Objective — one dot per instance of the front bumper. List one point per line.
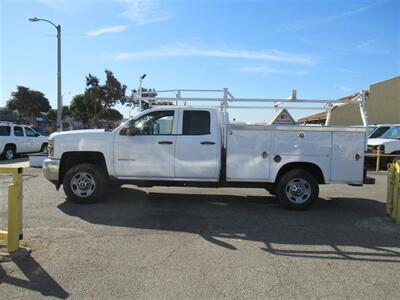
(51, 167)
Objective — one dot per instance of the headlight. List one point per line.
(50, 148)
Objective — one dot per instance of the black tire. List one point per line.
(43, 148)
(112, 185)
(297, 180)
(9, 152)
(271, 190)
(94, 180)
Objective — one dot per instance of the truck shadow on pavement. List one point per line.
(37, 278)
(338, 228)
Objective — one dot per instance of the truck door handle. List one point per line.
(207, 143)
(165, 142)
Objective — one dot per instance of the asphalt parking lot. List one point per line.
(177, 243)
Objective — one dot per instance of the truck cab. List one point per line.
(173, 143)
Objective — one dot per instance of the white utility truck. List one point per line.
(197, 146)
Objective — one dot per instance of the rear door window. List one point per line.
(196, 122)
(5, 130)
(18, 131)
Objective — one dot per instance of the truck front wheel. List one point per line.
(84, 183)
(297, 189)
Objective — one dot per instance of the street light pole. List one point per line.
(140, 91)
(59, 96)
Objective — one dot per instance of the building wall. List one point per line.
(383, 106)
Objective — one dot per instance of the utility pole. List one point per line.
(59, 96)
(140, 91)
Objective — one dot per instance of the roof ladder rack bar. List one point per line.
(225, 100)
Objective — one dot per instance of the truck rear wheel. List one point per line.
(113, 185)
(297, 189)
(84, 183)
(271, 190)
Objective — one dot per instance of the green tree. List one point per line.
(52, 115)
(107, 94)
(81, 108)
(29, 103)
(111, 114)
(5, 111)
(114, 91)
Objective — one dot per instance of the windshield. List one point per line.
(393, 133)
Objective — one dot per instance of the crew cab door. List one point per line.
(198, 145)
(145, 150)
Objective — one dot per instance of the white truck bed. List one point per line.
(334, 148)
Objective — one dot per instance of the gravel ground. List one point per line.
(180, 243)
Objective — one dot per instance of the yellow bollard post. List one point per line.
(393, 192)
(390, 181)
(396, 193)
(19, 183)
(15, 195)
(15, 212)
(378, 160)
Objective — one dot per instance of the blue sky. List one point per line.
(324, 49)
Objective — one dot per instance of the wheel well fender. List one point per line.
(70, 159)
(308, 166)
(10, 145)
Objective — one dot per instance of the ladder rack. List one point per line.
(225, 99)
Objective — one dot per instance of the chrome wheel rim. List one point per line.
(9, 154)
(83, 184)
(298, 190)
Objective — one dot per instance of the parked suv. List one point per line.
(17, 139)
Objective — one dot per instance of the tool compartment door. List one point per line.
(347, 157)
(246, 155)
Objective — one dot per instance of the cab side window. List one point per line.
(154, 123)
(196, 122)
(18, 131)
